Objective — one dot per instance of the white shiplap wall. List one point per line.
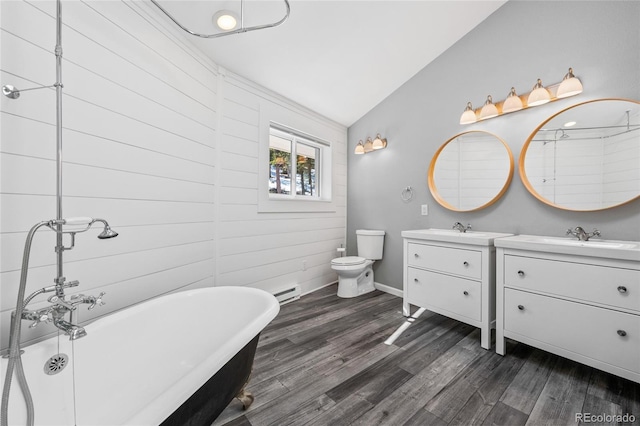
(156, 142)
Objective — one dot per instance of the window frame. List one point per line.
(295, 139)
(274, 203)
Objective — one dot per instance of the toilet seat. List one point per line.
(348, 261)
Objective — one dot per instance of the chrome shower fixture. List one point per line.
(13, 92)
(87, 222)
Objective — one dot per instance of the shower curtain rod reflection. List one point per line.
(242, 28)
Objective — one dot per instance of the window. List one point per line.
(294, 165)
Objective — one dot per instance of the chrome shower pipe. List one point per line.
(58, 84)
(242, 28)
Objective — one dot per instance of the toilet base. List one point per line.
(356, 286)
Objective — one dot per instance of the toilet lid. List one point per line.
(349, 260)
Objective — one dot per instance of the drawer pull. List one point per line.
(466, 264)
(466, 293)
(622, 289)
(415, 280)
(521, 273)
(416, 255)
(521, 307)
(622, 333)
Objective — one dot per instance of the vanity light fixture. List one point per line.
(512, 103)
(469, 115)
(379, 142)
(539, 95)
(489, 110)
(370, 145)
(226, 20)
(570, 86)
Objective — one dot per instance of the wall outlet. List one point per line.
(424, 209)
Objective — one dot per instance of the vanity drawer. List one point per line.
(601, 334)
(600, 284)
(452, 294)
(466, 263)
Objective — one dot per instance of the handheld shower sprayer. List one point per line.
(86, 222)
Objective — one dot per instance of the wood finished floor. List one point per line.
(324, 361)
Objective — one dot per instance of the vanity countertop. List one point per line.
(477, 238)
(612, 249)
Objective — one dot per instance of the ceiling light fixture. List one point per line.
(539, 95)
(226, 20)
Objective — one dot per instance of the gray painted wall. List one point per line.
(520, 42)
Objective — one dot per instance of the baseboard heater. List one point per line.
(288, 294)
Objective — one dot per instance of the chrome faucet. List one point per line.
(59, 307)
(460, 227)
(582, 234)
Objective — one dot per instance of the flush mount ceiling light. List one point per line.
(570, 86)
(226, 20)
(489, 110)
(539, 95)
(512, 103)
(229, 23)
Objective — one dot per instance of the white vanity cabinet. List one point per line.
(453, 274)
(579, 300)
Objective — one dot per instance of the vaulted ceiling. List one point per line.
(338, 58)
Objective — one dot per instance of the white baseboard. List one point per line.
(388, 289)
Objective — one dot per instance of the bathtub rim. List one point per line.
(166, 403)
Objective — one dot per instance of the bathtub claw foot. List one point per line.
(246, 398)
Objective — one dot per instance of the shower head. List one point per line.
(10, 91)
(107, 232)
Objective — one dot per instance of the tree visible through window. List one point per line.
(293, 178)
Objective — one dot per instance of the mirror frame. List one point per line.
(431, 180)
(521, 160)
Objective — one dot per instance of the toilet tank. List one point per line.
(370, 243)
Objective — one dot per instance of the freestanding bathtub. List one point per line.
(177, 359)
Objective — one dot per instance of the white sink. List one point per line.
(590, 243)
(629, 250)
(452, 236)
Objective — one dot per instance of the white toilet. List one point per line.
(355, 273)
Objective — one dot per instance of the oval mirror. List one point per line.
(470, 171)
(586, 157)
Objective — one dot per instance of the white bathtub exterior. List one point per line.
(135, 367)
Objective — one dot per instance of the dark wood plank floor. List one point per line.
(324, 361)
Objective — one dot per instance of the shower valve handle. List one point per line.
(42, 316)
(97, 302)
